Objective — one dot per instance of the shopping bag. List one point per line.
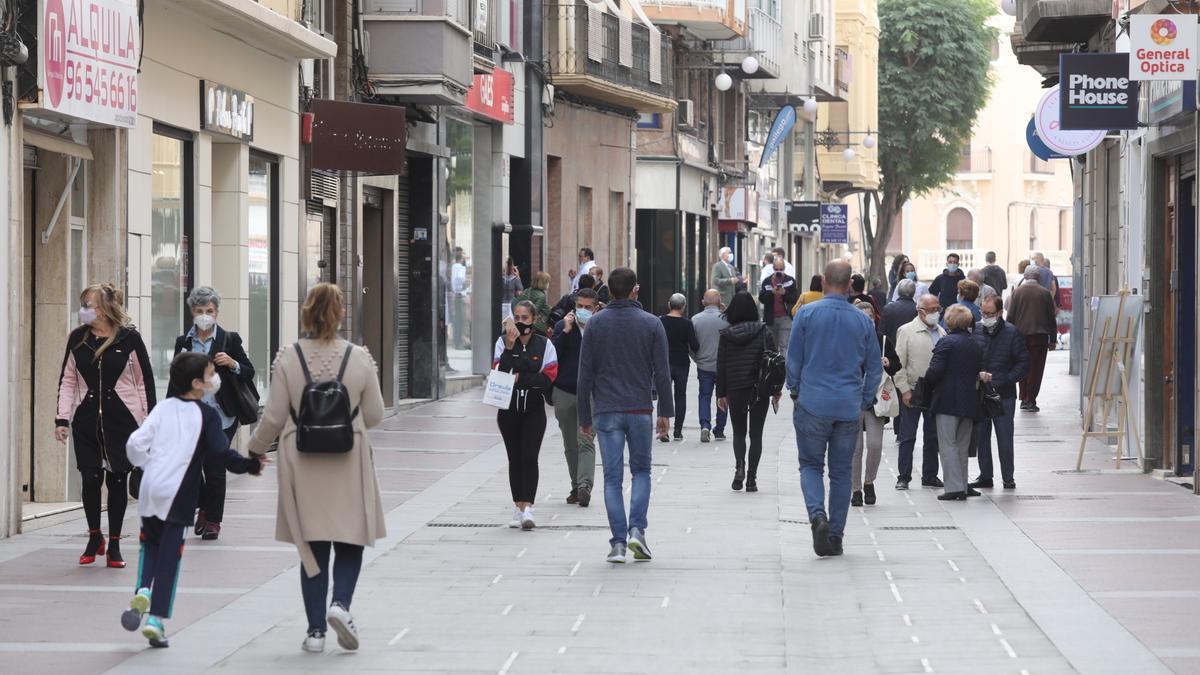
(887, 399)
(498, 390)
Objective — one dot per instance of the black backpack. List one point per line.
(325, 423)
(772, 371)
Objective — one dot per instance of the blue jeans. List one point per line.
(708, 382)
(906, 435)
(1004, 442)
(814, 436)
(613, 431)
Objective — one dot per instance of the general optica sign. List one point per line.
(88, 59)
(1049, 128)
(1162, 47)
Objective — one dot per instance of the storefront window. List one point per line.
(170, 229)
(263, 196)
(457, 256)
(78, 265)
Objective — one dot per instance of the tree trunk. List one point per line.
(887, 207)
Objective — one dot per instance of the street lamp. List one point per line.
(1009, 7)
(724, 82)
(869, 141)
(831, 140)
(810, 106)
(848, 154)
(749, 65)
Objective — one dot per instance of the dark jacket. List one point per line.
(954, 374)
(624, 357)
(566, 304)
(212, 446)
(1004, 356)
(681, 340)
(536, 367)
(230, 343)
(896, 314)
(766, 295)
(995, 276)
(739, 354)
(945, 286)
(603, 294)
(568, 346)
(542, 317)
(1031, 310)
(112, 395)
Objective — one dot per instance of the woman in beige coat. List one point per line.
(326, 500)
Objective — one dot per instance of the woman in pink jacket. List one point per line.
(105, 391)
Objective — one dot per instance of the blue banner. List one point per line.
(834, 224)
(785, 119)
(1036, 146)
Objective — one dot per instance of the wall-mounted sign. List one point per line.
(1097, 92)
(785, 119)
(835, 219)
(1036, 146)
(1162, 47)
(225, 110)
(358, 137)
(88, 59)
(803, 217)
(738, 203)
(492, 95)
(1050, 131)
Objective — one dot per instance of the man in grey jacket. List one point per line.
(709, 325)
(624, 358)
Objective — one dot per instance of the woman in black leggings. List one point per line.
(739, 354)
(532, 359)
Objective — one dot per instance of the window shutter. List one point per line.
(656, 57)
(595, 30)
(626, 41)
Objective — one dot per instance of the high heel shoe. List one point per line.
(94, 547)
(114, 558)
(739, 476)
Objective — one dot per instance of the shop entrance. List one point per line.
(422, 364)
(1185, 322)
(378, 286)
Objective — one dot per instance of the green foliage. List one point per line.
(934, 60)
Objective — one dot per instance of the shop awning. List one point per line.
(60, 144)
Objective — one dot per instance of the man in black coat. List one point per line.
(945, 286)
(229, 357)
(900, 312)
(1005, 362)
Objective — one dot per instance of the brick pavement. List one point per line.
(1087, 572)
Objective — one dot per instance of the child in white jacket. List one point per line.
(171, 448)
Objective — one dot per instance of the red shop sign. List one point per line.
(492, 96)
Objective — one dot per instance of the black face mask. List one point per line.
(524, 328)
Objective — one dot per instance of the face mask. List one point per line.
(952, 268)
(932, 319)
(583, 316)
(204, 322)
(524, 328)
(910, 275)
(87, 315)
(211, 386)
(989, 321)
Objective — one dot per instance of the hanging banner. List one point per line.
(785, 119)
(1097, 92)
(88, 59)
(1050, 131)
(834, 223)
(1036, 146)
(1162, 47)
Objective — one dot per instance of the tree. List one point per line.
(934, 60)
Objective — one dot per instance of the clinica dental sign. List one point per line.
(1162, 47)
(1097, 93)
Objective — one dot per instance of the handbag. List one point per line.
(772, 371)
(245, 396)
(498, 391)
(990, 404)
(922, 395)
(887, 399)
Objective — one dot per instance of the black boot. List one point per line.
(739, 476)
(856, 499)
(751, 483)
(869, 494)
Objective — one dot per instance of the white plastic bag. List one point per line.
(887, 399)
(498, 391)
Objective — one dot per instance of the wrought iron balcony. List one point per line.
(606, 58)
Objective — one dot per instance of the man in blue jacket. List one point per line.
(945, 286)
(833, 371)
(1005, 362)
(623, 358)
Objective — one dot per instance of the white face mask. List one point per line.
(932, 319)
(212, 385)
(989, 321)
(204, 322)
(86, 316)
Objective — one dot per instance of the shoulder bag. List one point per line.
(244, 398)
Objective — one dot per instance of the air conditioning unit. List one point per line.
(816, 27)
(685, 114)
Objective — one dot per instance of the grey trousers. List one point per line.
(954, 442)
(579, 449)
(874, 433)
(781, 329)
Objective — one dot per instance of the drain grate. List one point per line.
(794, 522)
(917, 528)
(476, 525)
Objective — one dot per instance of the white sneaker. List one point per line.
(527, 519)
(315, 642)
(516, 519)
(342, 623)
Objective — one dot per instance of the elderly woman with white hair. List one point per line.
(681, 344)
(229, 356)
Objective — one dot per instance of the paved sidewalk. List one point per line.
(1089, 572)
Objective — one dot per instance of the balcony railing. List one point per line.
(483, 26)
(458, 11)
(764, 39)
(588, 42)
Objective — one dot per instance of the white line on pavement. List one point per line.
(1008, 648)
(596, 592)
(509, 663)
(554, 517)
(996, 630)
(919, 514)
(689, 531)
(880, 554)
(953, 566)
(926, 665)
(888, 574)
(980, 607)
(522, 552)
(578, 623)
(562, 649)
(916, 640)
(575, 568)
(908, 621)
(666, 601)
(399, 637)
(962, 579)
(896, 593)
(567, 536)
(497, 579)
(507, 609)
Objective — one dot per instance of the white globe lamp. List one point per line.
(848, 154)
(810, 107)
(724, 82)
(869, 142)
(750, 65)
(1009, 7)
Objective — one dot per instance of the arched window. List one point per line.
(960, 229)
